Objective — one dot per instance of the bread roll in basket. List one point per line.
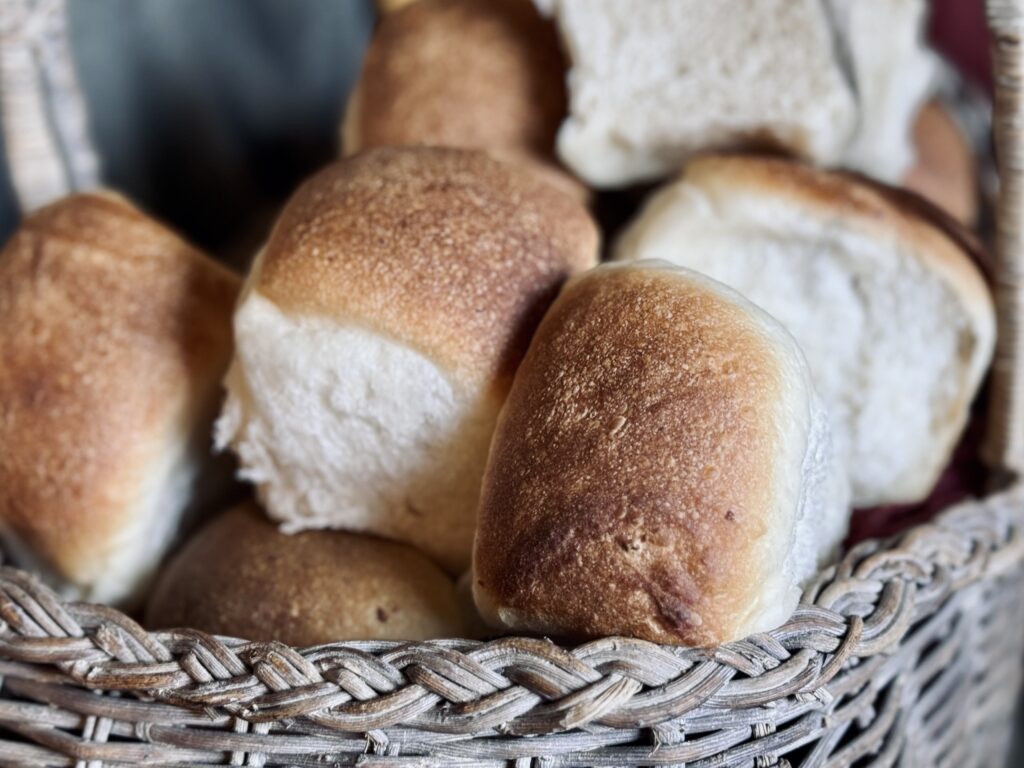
(908, 651)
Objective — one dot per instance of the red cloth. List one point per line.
(959, 30)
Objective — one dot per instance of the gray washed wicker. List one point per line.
(908, 652)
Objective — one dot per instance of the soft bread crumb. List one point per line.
(894, 72)
(837, 82)
(652, 82)
(896, 322)
(372, 436)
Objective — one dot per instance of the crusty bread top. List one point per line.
(110, 327)
(240, 576)
(448, 251)
(484, 74)
(634, 461)
(860, 206)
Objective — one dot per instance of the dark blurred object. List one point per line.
(8, 209)
(959, 30)
(209, 113)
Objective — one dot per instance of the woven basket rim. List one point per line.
(862, 607)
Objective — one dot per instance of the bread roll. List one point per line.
(114, 335)
(481, 74)
(834, 81)
(241, 577)
(662, 468)
(896, 321)
(945, 171)
(894, 73)
(378, 335)
(652, 82)
(475, 74)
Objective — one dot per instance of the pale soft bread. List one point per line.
(652, 82)
(834, 81)
(114, 335)
(894, 73)
(378, 335)
(479, 74)
(945, 171)
(240, 576)
(895, 319)
(661, 469)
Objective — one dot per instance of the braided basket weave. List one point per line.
(909, 652)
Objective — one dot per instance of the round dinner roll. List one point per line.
(114, 336)
(896, 320)
(241, 577)
(480, 74)
(944, 171)
(661, 469)
(378, 335)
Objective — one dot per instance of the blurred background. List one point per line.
(208, 114)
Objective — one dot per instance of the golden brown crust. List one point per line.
(448, 251)
(547, 171)
(485, 74)
(945, 169)
(240, 576)
(543, 166)
(630, 480)
(864, 207)
(112, 329)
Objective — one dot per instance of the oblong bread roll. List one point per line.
(378, 335)
(114, 335)
(662, 468)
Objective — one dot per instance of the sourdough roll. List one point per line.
(895, 319)
(661, 469)
(945, 171)
(378, 334)
(836, 82)
(240, 576)
(481, 74)
(114, 335)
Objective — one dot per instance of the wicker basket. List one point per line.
(908, 652)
